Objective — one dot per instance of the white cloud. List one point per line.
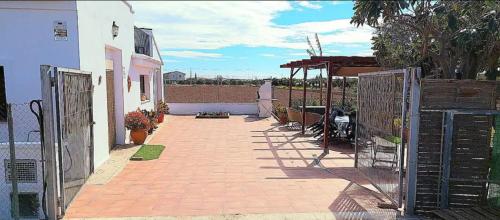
(339, 2)
(212, 25)
(170, 61)
(364, 53)
(307, 4)
(268, 55)
(299, 54)
(331, 52)
(190, 54)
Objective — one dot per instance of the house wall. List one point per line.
(159, 75)
(175, 76)
(95, 36)
(135, 72)
(22, 53)
(27, 41)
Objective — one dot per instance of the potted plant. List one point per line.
(162, 110)
(138, 124)
(398, 123)
(153, 120)
(281, 113)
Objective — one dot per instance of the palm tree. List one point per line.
(312, 52)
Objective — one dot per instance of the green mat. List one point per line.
(148, 152)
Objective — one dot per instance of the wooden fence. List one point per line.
(454, 144)
(447, 159)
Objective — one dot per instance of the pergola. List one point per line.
(343, 66)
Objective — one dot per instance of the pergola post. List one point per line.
(304, 100)
(321, 86)
(326, 123)
(290, 84)
(344, 80)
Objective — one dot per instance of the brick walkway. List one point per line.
(240, 165)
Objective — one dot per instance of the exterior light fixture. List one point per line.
(114, 29)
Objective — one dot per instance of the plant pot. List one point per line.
(160, 117)
(138, 136)
(283, 118)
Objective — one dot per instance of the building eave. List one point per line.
(145, 61)
(158, 50)
(129, 6)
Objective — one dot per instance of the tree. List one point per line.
(449, 39)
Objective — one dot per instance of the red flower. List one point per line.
(136, 120)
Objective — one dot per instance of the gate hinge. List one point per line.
(52, 81)
(59, 201)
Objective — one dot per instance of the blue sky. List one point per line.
(248, 39)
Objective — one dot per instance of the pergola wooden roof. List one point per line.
(344, 66)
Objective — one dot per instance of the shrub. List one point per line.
(163, 107)
(136, 120)
(279, 109)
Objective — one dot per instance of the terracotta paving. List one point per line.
(241, 165)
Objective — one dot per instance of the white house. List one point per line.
(174, 76)
(79, 35)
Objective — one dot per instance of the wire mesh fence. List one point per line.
(22, 141)
(380, 121)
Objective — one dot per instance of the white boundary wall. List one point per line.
(232, 108)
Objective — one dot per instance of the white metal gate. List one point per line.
(380, 130)
(67, 97)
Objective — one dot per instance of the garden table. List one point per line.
(315, 109)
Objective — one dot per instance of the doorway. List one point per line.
(110, 94)
(115, 75)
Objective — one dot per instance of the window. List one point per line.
(3, 99)
(144, 87)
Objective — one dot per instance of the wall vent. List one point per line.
(26, 171)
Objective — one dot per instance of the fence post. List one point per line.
(13, 165)
(356, 132)
(404, 113)
(411, 174)
(446, 158)
(49, 142)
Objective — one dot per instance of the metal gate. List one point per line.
(69, 97)
(380, 133)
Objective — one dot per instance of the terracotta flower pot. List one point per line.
(138, 136)
(160, 117)
(283, 118)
